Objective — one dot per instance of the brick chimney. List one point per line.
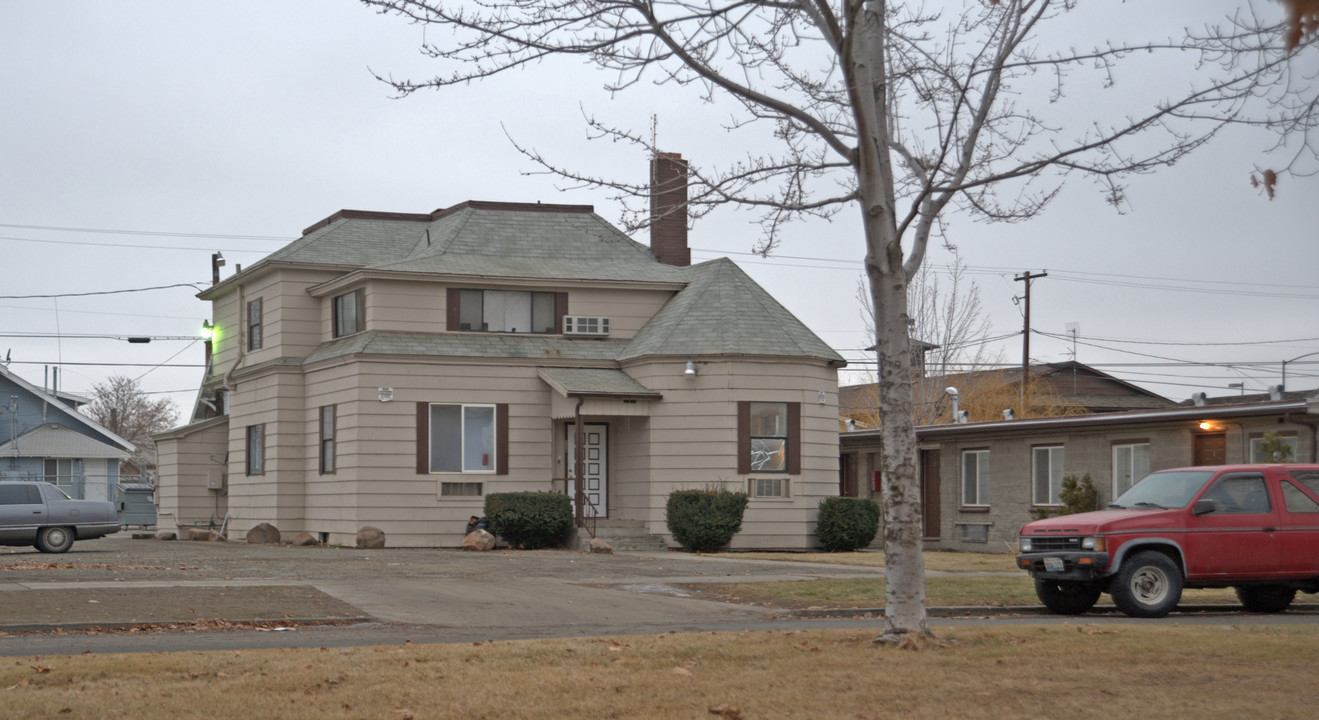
(668, 209)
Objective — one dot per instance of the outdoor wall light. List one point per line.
(1206, 425)
(691, 368)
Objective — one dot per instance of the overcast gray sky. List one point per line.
(137, 137)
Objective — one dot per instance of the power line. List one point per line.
(100, 292)
(129, 245)
(156, 233)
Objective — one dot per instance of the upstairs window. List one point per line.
(349, 314)
(506, 311)
(254, 324)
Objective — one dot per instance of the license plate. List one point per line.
(1053, 564)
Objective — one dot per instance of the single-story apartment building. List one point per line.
(980, 481)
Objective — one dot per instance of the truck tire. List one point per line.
(1265, 598)
(1148, 585)
(1067, 598)
(54, 539)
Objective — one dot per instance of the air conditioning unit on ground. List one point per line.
(585, 325)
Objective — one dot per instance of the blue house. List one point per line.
(44, 438)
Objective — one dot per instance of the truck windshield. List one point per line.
(1164, 490)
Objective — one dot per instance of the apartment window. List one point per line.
(61, 471)
(1131, 463)
(327, 439)
(508, 311)
(768, 437)
(349, 313)
(1047, 474)
(256, 449)
(462, 438)
(975, 478)
(460, 489)
(768, 487)
(1258, 453)
(254, 324)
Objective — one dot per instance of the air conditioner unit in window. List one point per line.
(585, 325)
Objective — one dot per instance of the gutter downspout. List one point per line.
(579, 461)
(1314, 433)
(242, 346)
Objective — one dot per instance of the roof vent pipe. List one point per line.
(1275, 393)
(1198, 399)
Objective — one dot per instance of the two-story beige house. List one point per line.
(391, 370)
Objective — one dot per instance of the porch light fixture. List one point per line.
(691, 368)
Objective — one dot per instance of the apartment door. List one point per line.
(596, 467)
(1211, 449)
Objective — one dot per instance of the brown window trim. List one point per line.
(255, 334)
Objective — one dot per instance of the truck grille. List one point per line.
(1045, 543)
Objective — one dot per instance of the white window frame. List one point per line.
(981, 479)
(1049, 459)
(1130, 465)
(463, 439)
(1255, 442)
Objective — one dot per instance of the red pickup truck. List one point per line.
(1254, 528)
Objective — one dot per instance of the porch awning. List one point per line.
(603, 392)
(595, 382)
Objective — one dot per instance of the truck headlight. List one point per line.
(1025, 544)
(1094, 544)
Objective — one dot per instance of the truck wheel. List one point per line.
(1265, 598)
(1148, 585)
(1067, 598)
(54, 539)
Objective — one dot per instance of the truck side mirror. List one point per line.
(1203, 507)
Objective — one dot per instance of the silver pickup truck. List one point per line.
(41, 515)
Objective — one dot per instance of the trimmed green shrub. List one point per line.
(704, 520)
(530, 520)
(846, 524)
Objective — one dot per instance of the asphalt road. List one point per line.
(124, 587)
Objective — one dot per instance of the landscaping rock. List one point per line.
(305, 539)
(263, 534)
(201, 534)
(479, 540)
(216, 537)
(370, 538)
(600, 546)
(167, 536)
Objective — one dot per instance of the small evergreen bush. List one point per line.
(530, 520)
(846, 524)
(1078, 495)
(704, 520)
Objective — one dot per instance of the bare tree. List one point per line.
(900, 111)
(120, 406)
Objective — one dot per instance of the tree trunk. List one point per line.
(904, 568)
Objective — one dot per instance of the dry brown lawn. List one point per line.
(934, 560)
(1075, 671)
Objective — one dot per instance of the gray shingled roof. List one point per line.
(482, 345)
(594, 381)
(485, 239)
(531, 244)
(722, 311)
(57, 441)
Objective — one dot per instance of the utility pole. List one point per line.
(1026, 277)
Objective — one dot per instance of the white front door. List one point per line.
(596, 468)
